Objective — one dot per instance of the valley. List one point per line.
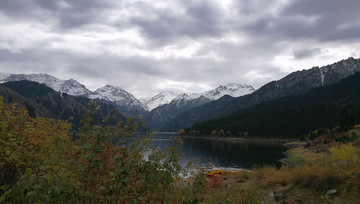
(230, 126)
(228, 110)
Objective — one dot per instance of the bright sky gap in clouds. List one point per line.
(146, 46)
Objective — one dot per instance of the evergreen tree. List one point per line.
(345, 123)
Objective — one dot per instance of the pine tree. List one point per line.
(345, 123)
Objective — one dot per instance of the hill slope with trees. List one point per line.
(324, 107)
(40, 100)
(293, 84)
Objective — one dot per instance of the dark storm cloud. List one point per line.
(48, 5)
(206, 19)
(74, 20)
(86, 65)
(201, 18)
(82, 12)
(332, 11)
(306, 53)
(325, 20)
(17, 8)
(334, 20)
(200, 43)
(252, 9)
(68, 13)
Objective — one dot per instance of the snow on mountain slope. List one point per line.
(117, 95)
(160, 115)
(162, 98)
(124, 99)
(3, 77)
(232, 89)
(120, 97)
(70, 86)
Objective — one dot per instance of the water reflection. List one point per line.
(225, 153)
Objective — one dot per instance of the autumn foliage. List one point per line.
(44, 161)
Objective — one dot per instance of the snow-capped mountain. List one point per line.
(127, 103)
(120, 97)
(297, 82)
(3, 77)
(71, 86)
(162, 98)
(232, 89)
(160, 115)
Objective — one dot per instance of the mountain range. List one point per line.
(160, 99)
(43, 101)
(161, 115)
(323, 107)
(295, 83)
(126, 103)
(115, 96)
(169, 111)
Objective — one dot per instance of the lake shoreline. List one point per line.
(288, 143)
(233, 152)
(242, 139)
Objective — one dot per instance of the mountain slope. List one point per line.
(117, 97)
(70, 86)
(292, 116)
(294, 83)
(34, 109)
(160, 115)
(160, 99)
(183, 102)
(120, 98)
(232, 89)
(53, 103)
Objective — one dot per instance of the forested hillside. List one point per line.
(324, 107)
(293, 84)
(40, 100)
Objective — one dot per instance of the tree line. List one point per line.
(290, 117)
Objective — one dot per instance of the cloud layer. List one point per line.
(148, 46)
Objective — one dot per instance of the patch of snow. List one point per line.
(160, 99)
(232, 89)
(71, 86)
(322, 77)
(117, 95)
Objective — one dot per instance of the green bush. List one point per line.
(105, 165)
(344, 152)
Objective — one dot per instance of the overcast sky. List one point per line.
(149, 46)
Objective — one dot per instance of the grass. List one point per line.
(317, 171)
(302, 155)
(294, 157)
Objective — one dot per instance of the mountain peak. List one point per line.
(118, 96)
(71, 87)
(110, 86)
(160, 99)
(72, 80)
(231, 89)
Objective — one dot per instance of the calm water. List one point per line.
(234, 154)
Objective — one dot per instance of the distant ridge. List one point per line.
(295, 83)
(115, 96)
(292, 116)
(161, 115)
(42, 101)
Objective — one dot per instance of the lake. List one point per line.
(224, 153)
